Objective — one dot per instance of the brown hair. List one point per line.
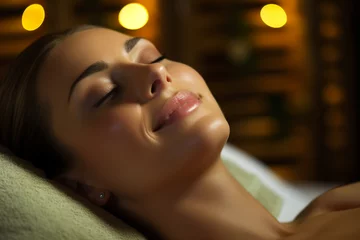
(24, 120)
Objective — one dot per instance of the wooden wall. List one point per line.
(332, 35)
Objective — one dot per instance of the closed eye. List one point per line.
(110, 95)
(159, 59)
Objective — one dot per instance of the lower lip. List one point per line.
(182, 111)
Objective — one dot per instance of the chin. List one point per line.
(205, 141)
(198, 147)
(211, 134)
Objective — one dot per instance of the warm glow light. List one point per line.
(33, 17)
(273, 15)
(133, 16)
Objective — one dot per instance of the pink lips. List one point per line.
(177, 107)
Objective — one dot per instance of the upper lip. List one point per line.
(166, 108)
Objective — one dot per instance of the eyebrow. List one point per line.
(101, 65)
(131, 43)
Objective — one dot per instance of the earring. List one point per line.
(102, 195)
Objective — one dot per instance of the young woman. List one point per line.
(141, 136)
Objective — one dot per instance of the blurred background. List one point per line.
(284, 72)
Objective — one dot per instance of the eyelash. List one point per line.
(159, 59)
(113, 92)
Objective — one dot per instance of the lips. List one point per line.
(177, 107)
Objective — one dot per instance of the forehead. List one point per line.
(74, 54)
(86, 47)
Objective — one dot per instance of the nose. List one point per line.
(157, 80)
(147, 81)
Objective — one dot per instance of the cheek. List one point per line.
(185, 74)
(110, 124)
(112, 136)
(117, 119)
(117, 153)
(114, 129)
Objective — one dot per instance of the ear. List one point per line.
(95, 195)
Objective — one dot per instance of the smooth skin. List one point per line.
(172, 179)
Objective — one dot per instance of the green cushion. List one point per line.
(258, 189)
(32, 207)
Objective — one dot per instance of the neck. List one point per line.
(215, 206)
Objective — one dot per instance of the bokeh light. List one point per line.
(273, 15)
(33, 17)
(133, 16)
(333, 94)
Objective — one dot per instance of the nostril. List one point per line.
(155, 86)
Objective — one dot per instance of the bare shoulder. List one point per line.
(337, 225)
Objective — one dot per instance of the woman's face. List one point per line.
(112, 133)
